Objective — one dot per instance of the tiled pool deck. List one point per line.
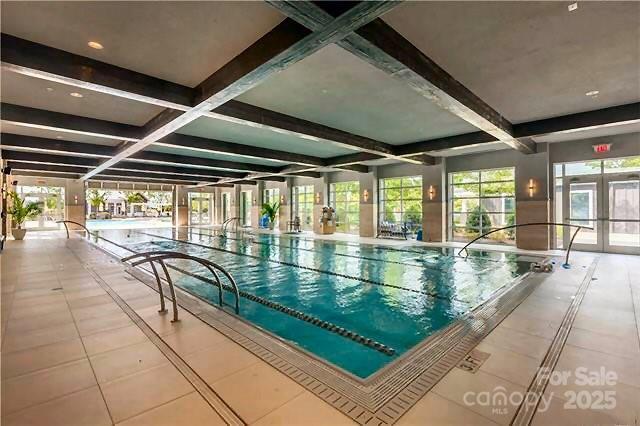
(72, 355)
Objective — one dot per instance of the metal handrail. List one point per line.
(66, 227)
(160, 256)
(566, 261)
(228, 221)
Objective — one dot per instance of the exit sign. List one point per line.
(603, 147)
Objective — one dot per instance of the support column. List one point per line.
(532, 205)
(368, 203)
(434, 199)
(180, 206)
(75, 202)
(284, 214)
(320, 199)
(256, 204)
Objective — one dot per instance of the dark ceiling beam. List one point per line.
(44, 62)
(359, 168)
(31, 173)
(307, 129)
(589, 120)
(283, 46)
(141, 181)
(19, 165)
(128, 166)
(31, 143)
(161, 157)
(38, 118)
(383, 47)
(314, 175)
(229, 148)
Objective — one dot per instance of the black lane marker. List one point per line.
(346, 333)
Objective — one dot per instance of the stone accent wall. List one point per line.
(433, 221)
(367, 228)
(533, 237)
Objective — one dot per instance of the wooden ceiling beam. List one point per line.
(381, 46)
(283, 46)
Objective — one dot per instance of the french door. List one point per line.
(610, 204)
(200, 209)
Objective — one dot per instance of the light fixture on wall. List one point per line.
(282, 199)
(365, 195)
(318, 195)
(531, 187)
(432, 192)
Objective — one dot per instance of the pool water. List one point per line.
(395, 296)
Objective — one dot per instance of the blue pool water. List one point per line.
(396, 296)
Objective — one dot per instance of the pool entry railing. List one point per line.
(566, 260)
(66, 227)
(226, 223)
(160, 256)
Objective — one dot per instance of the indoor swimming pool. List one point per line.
(357, 306)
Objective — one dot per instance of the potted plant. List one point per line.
(21, 211)
(271, 211)
(96, 199)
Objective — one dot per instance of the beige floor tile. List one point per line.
(95, 311)
(17, 341)
(161, 323)
(557, 415)
(84, 294)
(526, 324)
(35, 388)
(113, 339)
(22, 362)
(436, 410)
(305, 409)
(104, 323)
(612, 345)
(53, 297)
(82, 408)
(40, 321)
(93, 301)
(34, 311)
(193, 339)
(600, 325)
(216, 362)
(189, 410)
(628, 370)
(132, 395)
(265, 387)
(125, 361)
(509, 365)
(469, 390)
(519, 342)
(36, 293)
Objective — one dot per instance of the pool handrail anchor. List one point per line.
(566, 260)
(66, 227)
(160, 256)
(227, 222)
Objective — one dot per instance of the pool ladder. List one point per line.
(160, 257)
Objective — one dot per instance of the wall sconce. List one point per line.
(282, 199)
(432, 192)
(531, 187)
(365, 195)
(317, 198)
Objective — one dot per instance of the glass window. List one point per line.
(401, 203)
(482, 200)
(622, 165)
(303, 205)
(344, 197)
(583, 168)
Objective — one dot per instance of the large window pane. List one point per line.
(477, 208)
(582, 168)
(401, 204)
(622, 165)
(344, 197)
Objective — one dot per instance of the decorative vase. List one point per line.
(271, 225)
(18, 233)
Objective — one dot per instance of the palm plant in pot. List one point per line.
(271, 211)
(21, 211)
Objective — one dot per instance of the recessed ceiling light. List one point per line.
(76, 94)
(49, 89)
(95, 45)
(58, 137)
(572, 7)
(593, 93)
